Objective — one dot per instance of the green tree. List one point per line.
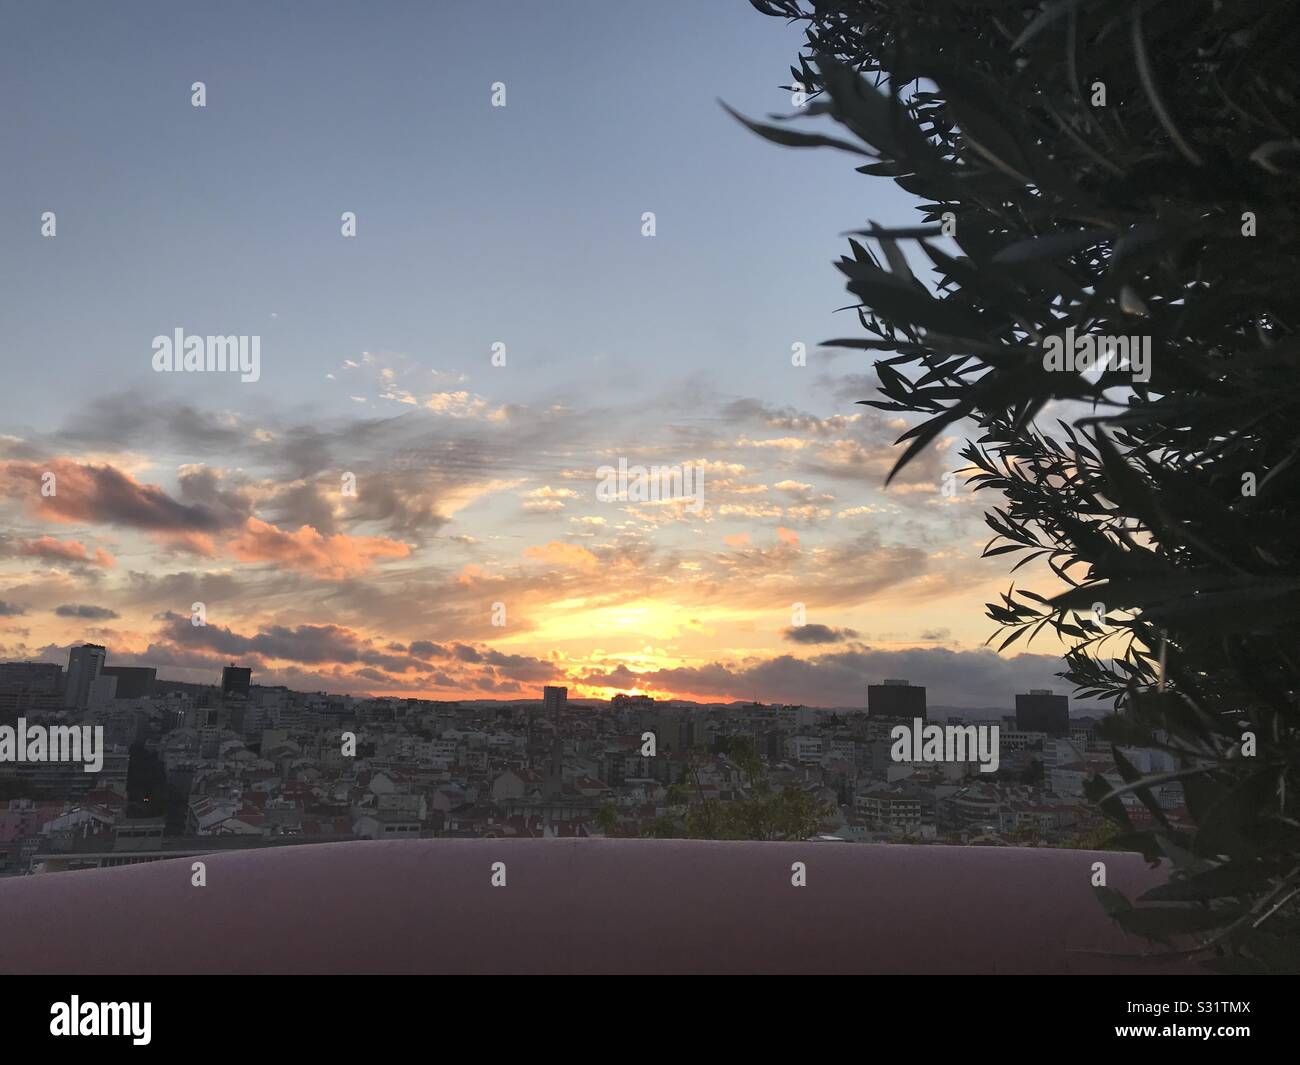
(607, 818)
(766, 815)
(1109, 169)
(663, 827)
(744, 752)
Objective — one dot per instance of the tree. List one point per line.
(744, 752)
(607, 818)
(766, 815)
(1123, 173)
(663, 827)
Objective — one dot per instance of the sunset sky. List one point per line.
(475, 484)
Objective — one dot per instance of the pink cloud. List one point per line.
(333, 557)
(51, 549)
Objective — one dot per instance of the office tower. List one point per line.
(896, 700)
(84, 665)
(1043, 711)
(235, 679)
(133, 682)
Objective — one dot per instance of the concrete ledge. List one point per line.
(582, 906)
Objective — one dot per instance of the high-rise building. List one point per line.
(235, 679)
(133, 682)
(84, 665)
(896, 700)
(1043, 711)
(554, 700)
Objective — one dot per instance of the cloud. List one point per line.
(82, 610)
(309, 644)
(52, 549)
(566, 556)
(818, 634)
(332, 557)
(349, 659)
(102, 494)
(788, 418)
(463, 404)
(11, 610)
(978, 679)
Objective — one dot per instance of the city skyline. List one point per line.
(79, 686)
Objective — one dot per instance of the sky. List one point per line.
(405, 501)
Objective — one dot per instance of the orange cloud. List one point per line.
(332, 557)
(570, 556)
(787, 536)
(51, 549)
(193, 543)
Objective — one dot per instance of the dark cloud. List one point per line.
(123, 421)
(953, 678)
(104, 494)
(389, 662)
(302, 504)
(10, 610)
(817, 634)
(83, 610)
(310, 644)
(207, 488)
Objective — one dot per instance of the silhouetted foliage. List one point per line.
(1121, 169)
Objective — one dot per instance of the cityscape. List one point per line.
(189, 769)
(766, 487)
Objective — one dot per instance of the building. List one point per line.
(84, 666)
(674, 729)
(804, 748)
(32, 676)
(68, 781)
(133, 682)
(235, 679)
(1043, 711)
(891, 810)
(554, 700)
(26, 686)
(896, 700)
